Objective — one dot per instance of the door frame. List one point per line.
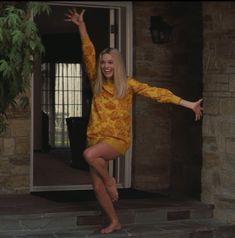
(126, 35)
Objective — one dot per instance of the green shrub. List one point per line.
(20, 44)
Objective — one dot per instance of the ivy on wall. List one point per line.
(20, 45)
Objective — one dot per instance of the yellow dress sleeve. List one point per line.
(161, 95)
(89, 57)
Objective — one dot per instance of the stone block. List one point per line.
(227, 107)
(9, 146)
(20, 127)
(22, 145)
(225, 232)
(210, 144)
(210, 160)
(4, 166)
(211, 106)
(221, 94)
(20, 170)
(230, 145)
(1, 145)
(216, 82)
(227, 128)
(230, 69)
(209, 126)
(232, 82)
(211, 180)
(18, 182)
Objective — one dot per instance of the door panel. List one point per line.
(52, 170)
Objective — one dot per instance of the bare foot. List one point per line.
(112, 190)
(114, 226)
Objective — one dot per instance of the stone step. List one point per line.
(150, 215)
(194, 228)
(140, 211)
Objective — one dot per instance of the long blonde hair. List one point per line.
(119, 77)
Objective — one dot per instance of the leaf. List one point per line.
(17, 37)
(33, 45)
(29, 28)
(39, 8)
(3, 65)
(24, 101)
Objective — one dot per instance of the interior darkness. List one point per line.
(61, 38)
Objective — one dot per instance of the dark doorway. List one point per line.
(61, 92)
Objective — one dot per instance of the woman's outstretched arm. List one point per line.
(163, 95)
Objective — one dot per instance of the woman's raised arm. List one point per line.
(88, 49)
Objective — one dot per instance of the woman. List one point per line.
(108, 131)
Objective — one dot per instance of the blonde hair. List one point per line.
(119, 77)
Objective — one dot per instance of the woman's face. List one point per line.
(107, 66)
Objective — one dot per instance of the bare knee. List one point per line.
(92, 159)
(88, 156)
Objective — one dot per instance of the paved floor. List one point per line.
(74, 215)
(176, 229)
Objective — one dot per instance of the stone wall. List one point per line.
(15, 153)
(218, 174)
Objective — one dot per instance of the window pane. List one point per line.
(61, 99)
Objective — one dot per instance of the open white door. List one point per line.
(120, 22)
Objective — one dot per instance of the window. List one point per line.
(61, 98)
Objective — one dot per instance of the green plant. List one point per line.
(20, 45)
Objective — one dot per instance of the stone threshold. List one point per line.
(82, 214)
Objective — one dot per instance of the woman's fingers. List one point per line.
(82, 12)
(72, 15)
(198, 109)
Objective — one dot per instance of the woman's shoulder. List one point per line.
(130, 79)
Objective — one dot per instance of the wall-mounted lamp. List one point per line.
(161, 31)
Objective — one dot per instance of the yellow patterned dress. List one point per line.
(110, 119)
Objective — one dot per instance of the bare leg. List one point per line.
(105, 202)
(104, 185)
(100, 165)
(97, 156)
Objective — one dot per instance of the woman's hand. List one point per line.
(74, 17)
(197, 108)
